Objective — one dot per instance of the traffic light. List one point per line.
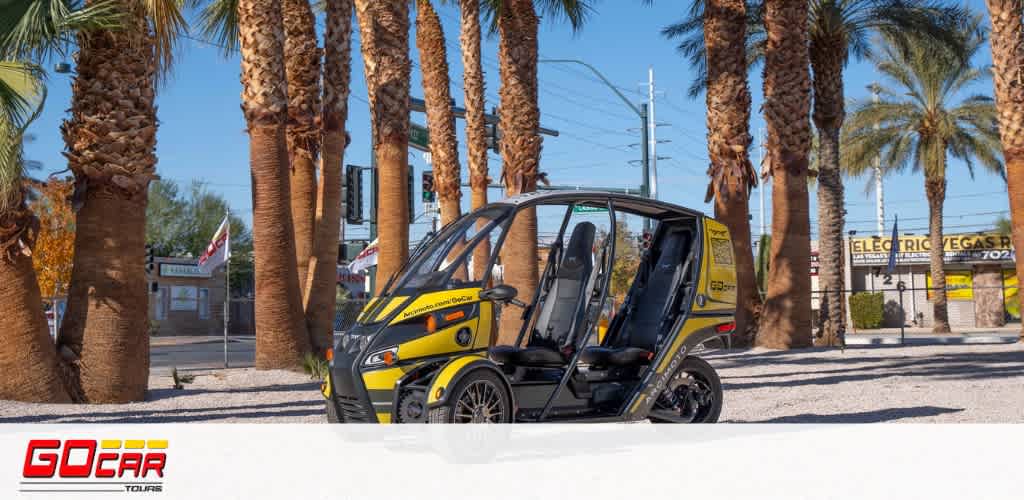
(429, 195)
(353, 194)
(154, 287)
(645, 241)
(150, 258)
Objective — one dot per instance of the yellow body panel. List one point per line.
(439, 342)
(717, 271)
(384, 418)
(390, 306)
(431, 302)
(448, 372)
(384, 379)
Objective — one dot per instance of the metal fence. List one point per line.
(904, 306)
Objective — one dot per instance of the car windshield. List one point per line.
(446, 260)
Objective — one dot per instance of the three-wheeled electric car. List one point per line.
(424, 349)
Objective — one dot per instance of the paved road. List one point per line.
(200, 353)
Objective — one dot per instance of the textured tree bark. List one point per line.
(320, 299)
(519, 117)
(935, 190)
(384, 29)
(828, 56)
(281, 336)
(444, 151)
(28, 360)
(989, 309)
(111, 141)
(728, 122)
(1007, 44)
(302, 69)
(476, 127)
(786, 317)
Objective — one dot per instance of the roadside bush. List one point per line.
(866, 310)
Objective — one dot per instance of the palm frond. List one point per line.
(40, 29)
(218, 23)
(22, 95)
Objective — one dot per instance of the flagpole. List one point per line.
(227, 285)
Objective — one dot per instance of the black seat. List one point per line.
(637, 337)
(551, 341)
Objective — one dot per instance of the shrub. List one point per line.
(866, 310)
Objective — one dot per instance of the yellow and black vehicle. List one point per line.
(423, 349)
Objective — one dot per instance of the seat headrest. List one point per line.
(578, 252)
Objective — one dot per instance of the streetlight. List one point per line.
(645, 189)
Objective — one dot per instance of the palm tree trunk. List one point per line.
(786, 318)
(384, 26)
(519, 118)
(1007, 44)
(302, 69)
(440, 118)
(935, 189)
(476, 127)
(827, 59)
(111, 150)
(281, 337)
(323, 268)
(728, 122)
(28, 359)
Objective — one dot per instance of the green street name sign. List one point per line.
(582, 209)
(419, 138)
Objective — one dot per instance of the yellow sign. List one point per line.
(1011, 299)
(975, 247)
(959, 285)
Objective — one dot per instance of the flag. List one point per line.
(366, 259)
(219, 250)
(895, 245)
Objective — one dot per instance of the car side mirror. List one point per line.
(500, 293)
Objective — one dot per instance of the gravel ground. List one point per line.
(963, 383)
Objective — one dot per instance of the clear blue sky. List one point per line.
(202, 132)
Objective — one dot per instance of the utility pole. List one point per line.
(760, 186)
(879, 192)
(653, 154)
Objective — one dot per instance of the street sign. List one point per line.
(419, 137)
(583, 209)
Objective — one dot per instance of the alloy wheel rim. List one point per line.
(479, 403)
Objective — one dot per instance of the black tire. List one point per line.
(694, 393)
(332, 411)
(487, 386)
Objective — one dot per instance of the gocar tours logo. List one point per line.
(86, 465)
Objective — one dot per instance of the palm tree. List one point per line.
(519, 118)
(1007, 44)
(786, 318)
(440, 117)
(110, 137)
(28, 359)
(476, 126)
(920, 122)
(384, 36)
(281, 337)
(722, 64)
(319, 298)
(839, 29)
(302, 69)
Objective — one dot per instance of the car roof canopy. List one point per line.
(637, 205)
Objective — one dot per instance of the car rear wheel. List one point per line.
(693, 395)
(479, 398)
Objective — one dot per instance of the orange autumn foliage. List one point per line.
(55, 245)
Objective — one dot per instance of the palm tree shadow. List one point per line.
(861, 417)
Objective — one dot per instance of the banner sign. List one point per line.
(219, 250)
(958, 248)
(182, 271)
(1011, 297)
(959, 284)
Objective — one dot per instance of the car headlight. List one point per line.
(386, 357)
